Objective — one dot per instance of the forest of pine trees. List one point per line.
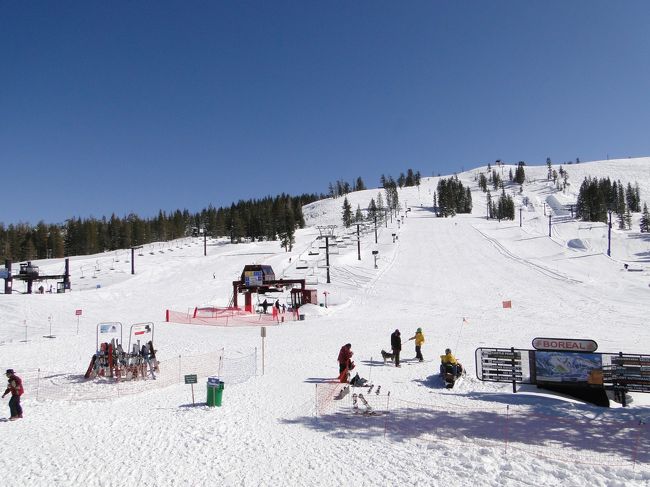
(599, 196)
(452, 197)
(411, 178)
(270, 218)
(341, 188)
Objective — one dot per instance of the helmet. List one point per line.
(10, 371)
(448, 351)
(419, 330)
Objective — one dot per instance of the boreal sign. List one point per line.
(565, 345)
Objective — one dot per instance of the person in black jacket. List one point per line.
(396, 345)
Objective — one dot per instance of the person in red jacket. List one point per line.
(15, 386)
(345, 359)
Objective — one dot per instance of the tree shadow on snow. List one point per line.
(525, 430)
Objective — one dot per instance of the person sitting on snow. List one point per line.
(449, 359)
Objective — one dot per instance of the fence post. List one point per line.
(387, 413)
(506, 432)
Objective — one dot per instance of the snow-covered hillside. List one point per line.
(449, 276)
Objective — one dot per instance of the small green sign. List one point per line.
(191, 379)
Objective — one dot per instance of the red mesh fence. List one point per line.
(214, 316)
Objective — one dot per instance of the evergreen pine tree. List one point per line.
(347, 213)
(358, 216)
(644, 224)
(359, 184)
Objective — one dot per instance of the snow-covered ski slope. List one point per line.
(446, 275)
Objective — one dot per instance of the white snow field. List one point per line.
(282, 427)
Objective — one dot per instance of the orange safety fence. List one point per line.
(214, 316)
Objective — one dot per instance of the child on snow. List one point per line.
(419, 340)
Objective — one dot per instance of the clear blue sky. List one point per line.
(116, 106)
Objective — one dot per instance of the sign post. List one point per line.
(49, 318)
(78, 314)
(191, 379)
(263, 334)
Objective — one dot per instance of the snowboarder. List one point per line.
(419, 340)
(345, 361)
(396, 346)
(15, 386)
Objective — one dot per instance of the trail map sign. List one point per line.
(568, 368)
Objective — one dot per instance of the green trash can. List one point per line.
(215, 391)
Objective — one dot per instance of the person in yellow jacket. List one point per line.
(448, 358)
(419, 340)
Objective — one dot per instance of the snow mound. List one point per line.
(577, 244)
(313, 310)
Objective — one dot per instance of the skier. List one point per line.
(396, 346)
(345, 361)
(419, 340)
(15, 386)
(265, 305)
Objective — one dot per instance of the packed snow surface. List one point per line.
(280, 424)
